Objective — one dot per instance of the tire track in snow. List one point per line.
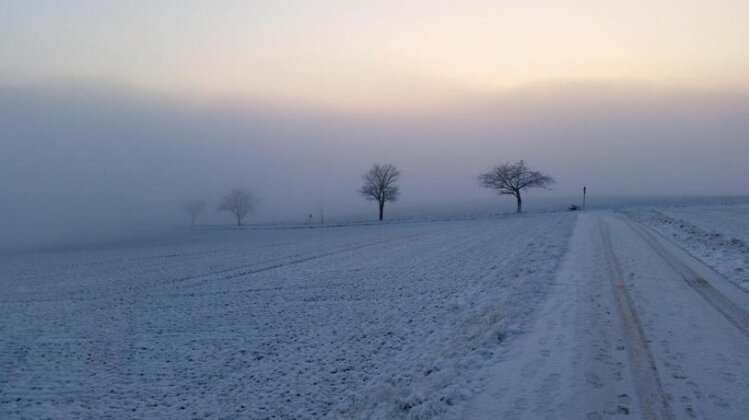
(652, 398)
(470, 242)
(202, 278)
(730, 310)
(300, 260)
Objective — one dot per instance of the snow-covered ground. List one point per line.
(716, 234)
(378, 321)
(494, 317)
(634, 327)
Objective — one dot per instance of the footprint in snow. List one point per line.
(521, 403)
(720, 402)
(594, 380)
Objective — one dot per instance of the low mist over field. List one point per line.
(112, 115)
(381, 210)
(88, 158)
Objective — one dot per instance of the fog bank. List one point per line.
(81, 161)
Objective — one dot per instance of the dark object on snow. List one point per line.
(585, 192)
(573, 207)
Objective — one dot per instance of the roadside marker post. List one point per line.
(585, 190)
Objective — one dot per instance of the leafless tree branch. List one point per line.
(238, 202)
(380, 185)
(512, 178)
(194, 208)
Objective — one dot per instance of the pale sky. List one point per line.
(372, 54)
(112, 113)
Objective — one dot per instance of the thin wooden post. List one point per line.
(585, 190)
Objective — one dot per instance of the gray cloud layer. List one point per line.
(77, 161)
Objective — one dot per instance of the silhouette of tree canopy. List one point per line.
(380, 185)
(512, 178)
(238, 202)
(194, 208)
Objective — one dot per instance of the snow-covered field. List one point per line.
(716, 234)
(380, 321)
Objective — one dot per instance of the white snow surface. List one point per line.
(634, 327)
(716, 234)
(381, 321)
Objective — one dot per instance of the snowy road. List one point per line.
(635, 326)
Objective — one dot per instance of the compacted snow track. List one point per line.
(653, 401)
(635, 326)
(723, 302)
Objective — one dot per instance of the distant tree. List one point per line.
(194, 208)
(512, 178)
(380, 185)
(238, 202)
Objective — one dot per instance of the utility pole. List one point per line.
(585, 191)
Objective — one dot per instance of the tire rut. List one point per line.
(729, 309)
(299, 260)
(653, 401)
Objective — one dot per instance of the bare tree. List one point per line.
(380, 185)
(194, 208)
(512, 178)
(239, 202)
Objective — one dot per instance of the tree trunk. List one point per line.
(382, 208)
(192, 221)
(520, 203)
(239, 221)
